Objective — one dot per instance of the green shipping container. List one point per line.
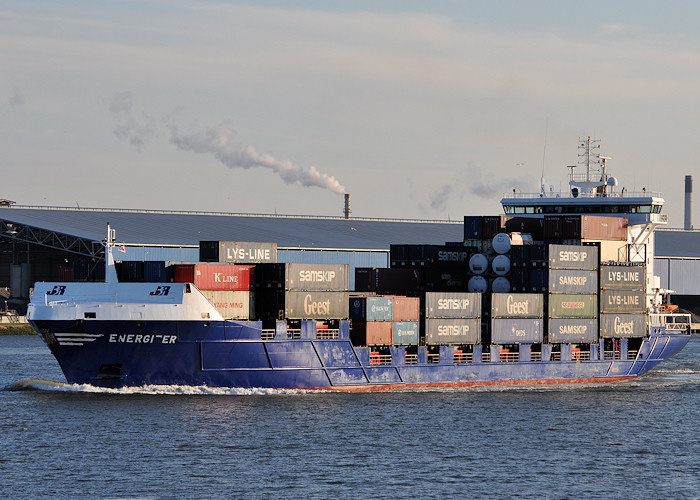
(565, 305)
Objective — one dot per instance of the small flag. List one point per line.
(122, 249)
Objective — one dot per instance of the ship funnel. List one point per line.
(688, 202)
(347, 210)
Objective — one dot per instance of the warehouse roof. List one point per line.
(188, 228)
(677, 243)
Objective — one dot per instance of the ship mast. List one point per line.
(595, 181)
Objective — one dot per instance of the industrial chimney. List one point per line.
(688, 202)
(347, 210)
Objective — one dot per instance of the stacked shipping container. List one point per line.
(302, 291)
(622, 301)
(385, 320)
(516, 318)
(452, 318)
(572, 297)
(229, 287)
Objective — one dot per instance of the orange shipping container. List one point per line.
(406, 308)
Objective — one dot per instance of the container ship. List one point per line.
(559, 289)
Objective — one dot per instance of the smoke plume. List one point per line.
(218, 141)
(135, 129)
(471, 182)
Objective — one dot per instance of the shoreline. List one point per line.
(16, 329)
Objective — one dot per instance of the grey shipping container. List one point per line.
(452, 305)
(452, 330)
(242, 252)
(372, 308)
(516, 330)
(572, 281)
(566, 305)
(573, 257)
(516, 305)
(623, 277)
(405, 333)
(319, 277)
(623, 325)
(316, 305)
(569, 331)
(622, 301)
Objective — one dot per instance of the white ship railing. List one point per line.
(567, 195)
(673, 322)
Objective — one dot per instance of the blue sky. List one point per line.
(418, 109)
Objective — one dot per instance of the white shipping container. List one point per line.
(232, 304)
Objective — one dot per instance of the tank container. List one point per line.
(501, 243)
(478, 284)
(500, 265)
(478, 263)
(501, 285)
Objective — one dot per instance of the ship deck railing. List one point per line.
(612, 355)
(567, 195)
(376, 359)
(328, 334)
(411, 359)
(463, 357)
(673, 322)
(508, 357)
(433, 358)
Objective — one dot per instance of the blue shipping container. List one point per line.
(473, 227)
(371, 308)
(405, 333)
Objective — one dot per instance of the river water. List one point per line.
(625, 440)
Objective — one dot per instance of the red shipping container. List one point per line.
(406, 308)
(599, 227)
(216, 276)
(379, 332)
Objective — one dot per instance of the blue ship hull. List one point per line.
(234, 354)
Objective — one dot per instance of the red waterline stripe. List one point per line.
(450, 385)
